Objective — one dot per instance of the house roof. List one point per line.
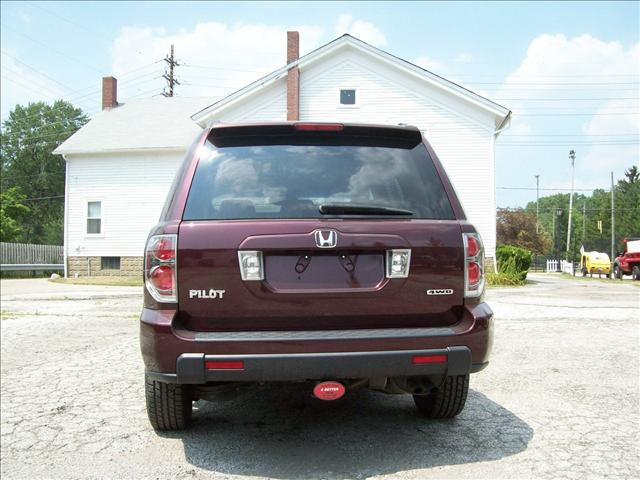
(203, 116)
(157, 123)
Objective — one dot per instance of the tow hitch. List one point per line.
(329, 390)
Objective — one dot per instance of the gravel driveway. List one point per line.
(559, 400)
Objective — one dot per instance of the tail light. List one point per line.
(473, 265)
(160, 277)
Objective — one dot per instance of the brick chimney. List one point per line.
(109, 92)
(293, 77)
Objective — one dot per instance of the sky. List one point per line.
(568, 71)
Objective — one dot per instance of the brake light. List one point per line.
(473, 265)
(160, 277)
(473, 246)
(318, 127)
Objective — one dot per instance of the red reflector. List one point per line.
(162, 278)
(473, 273)
(429, 359)
(318, 127)
(224, 365)
(473, 246)
(329, 390)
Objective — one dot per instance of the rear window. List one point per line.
(293, 179)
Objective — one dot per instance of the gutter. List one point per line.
(506, 123)
(66, 214)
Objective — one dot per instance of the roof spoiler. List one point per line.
(401, 133)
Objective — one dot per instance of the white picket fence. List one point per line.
(560, 266)
(567, 267)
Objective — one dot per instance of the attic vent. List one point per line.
(347, 97)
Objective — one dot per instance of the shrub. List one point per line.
(504, 279)
(513, 261)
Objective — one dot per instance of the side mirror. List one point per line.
(618, 254)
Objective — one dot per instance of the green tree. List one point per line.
(591, 219)
(27, 140)
(12, 211)
(518, 228)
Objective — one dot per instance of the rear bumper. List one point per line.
(191, 368)
(175, 355)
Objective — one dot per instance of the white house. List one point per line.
(120, 165)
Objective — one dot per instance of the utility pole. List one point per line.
(169, 76)
(584, 220)
(613, 225)
(537, 203)
(572, 156)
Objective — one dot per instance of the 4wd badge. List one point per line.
(440, 291)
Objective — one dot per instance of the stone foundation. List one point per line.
(92, 266)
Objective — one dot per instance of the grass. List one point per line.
(595, 278)
(112, 281)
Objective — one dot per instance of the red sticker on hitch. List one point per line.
(329, 390)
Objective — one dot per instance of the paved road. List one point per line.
(559, 400)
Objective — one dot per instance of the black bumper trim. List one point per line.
(190, 367)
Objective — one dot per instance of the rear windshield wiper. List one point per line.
(350, 209)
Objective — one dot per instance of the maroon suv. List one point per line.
(333, 254)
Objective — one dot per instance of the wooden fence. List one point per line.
(23, 256)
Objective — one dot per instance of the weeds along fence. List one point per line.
(25, 257)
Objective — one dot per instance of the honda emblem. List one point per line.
(326, 238)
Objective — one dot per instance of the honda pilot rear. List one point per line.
(331, 254)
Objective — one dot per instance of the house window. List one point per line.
(110, 263)
(348, 97)
(94, 218)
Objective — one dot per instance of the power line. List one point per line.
(588, 114)
(566, 99)
(570, 134)
(553, 189)
(48, 47)
(531, 84)
(42, 198)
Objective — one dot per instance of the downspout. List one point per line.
(66, 214)
(506, 123)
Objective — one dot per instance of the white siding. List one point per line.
(268, 105)
(132, 188)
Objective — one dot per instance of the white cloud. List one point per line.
(233, 56)
(464, 57)
(365, 31)
(556, 59)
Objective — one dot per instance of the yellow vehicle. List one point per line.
(594, 262)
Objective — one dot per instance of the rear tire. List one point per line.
(169, 405)
(447, 402)
(635, 273)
